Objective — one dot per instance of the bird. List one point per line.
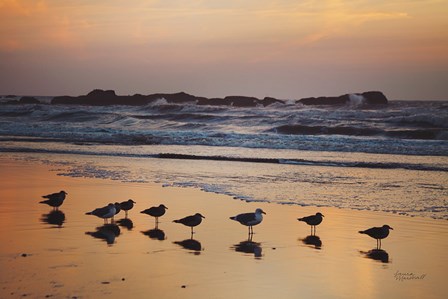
(54, 200)
(377, 233)
(312, 220)
(117, 209)
(250, 219)
(127, 205)
(191, 221)
(104, 212)
(155, 212)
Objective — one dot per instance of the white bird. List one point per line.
(250, 219)
(104, 212)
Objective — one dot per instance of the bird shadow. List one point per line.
(54, 217)
(249, 247)
(126, 222)
(312, 241)
(191, 245)
(107, 233)
(377, 255)
(155, 234)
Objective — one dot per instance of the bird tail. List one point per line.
(45, 196)
(89, 213)
(43, 201)
(300, 219)
(177, 221)
(233, 218)
(362, 232)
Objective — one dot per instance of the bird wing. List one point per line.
(245, 218)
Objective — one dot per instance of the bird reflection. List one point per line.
(377, 255)
(155, 234)
(250, 247)
(126, 222)
(191, 244)
(107, 232)
(313, 240)
(55, 217)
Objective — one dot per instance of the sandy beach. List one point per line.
(40, 259)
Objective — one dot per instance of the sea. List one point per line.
(391, 158)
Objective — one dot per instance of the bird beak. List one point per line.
(391, 228)
(264, 213)
(323, 216)
(202, 216)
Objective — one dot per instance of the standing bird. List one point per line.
(155, 212)
(377, 233)
(312, 220)
(191, 221)
(117, 209)
(54, 200)
(104, 212)
(250, 219)
(127, 205)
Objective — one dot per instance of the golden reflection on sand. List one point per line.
(62, 260)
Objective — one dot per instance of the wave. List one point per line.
(298, 162)
(428, 134)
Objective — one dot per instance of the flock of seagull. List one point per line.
(55, 200)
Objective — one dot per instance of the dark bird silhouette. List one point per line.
(313, 240)
(104, 212)
(55, 217)
(190, 244)
(127, 205)
(312, 220)
(126, 222)
(249, 247)
(155, 212)
(155, 234)
(107, 232)
(377, 255)
(191, 221)
(377, 233)
(54, 200)
(250, 219)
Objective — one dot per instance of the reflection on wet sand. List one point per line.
(126, 222)
(107, 232)
(250, 247)
(55, 217)
(191, 244)
(155, 234)
(313, 241)
(377, 255)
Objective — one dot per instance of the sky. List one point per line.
(284, 49)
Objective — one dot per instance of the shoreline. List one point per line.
(65, 261)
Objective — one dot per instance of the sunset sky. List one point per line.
(284, 49)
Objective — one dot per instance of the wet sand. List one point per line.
(80, 258)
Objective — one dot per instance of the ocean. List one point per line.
(391, 158)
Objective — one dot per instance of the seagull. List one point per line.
(191, 221)
(54, 200)
(377, 233)
(250, 219)
(104, 212)
(155, 212)
(127, 205)
(312, 220)
(117, 209)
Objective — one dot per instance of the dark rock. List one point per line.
(11, 102)
(214, 102)
(29, 100)
(10, 96)
(269, 101)
(370, 97)
(242, 101)
(341, 100)
(375, 97)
